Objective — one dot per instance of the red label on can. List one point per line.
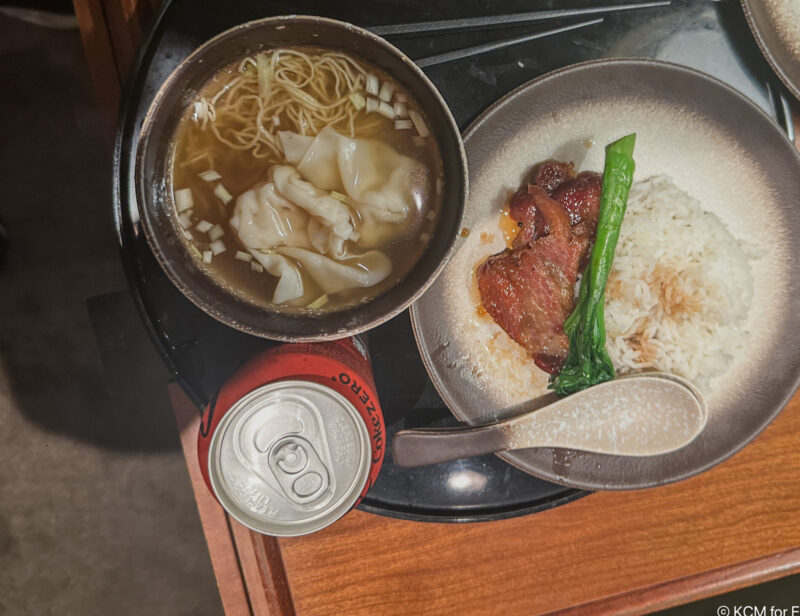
(340, 365)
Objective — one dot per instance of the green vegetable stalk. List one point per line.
(588, 362)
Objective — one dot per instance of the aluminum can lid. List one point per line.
(289, 458)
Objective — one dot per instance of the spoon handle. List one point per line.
(431, 446)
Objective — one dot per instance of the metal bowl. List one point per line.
(155, 202)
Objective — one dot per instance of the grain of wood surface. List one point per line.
(596, 548)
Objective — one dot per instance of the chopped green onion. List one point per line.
(419, 123)
(195, 250)
(386, 110)
(339, 197)
(372, 85)
(203, 112)
(387, 89)
(210, 175)
(319, 302)
(217, 247)
(184, 200)
(203, 226)
(358, 100)
(215, 233)
(198, 111)
(223, 193)
(243, 256)
(264, 76)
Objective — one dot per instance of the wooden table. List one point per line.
(608, 553)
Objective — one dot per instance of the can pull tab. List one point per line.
(299, 470)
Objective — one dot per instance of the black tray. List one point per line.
(202, 353)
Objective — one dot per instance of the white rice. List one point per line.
(692, 325)
(680, 288)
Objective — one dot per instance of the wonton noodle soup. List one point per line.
(305, 179)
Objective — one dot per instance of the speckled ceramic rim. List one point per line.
(772, 47)
(616, 472)
(154, 204)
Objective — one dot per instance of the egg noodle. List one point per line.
(285, 90)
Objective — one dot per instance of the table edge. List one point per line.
(681, 591)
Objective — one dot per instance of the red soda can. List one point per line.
(295, 438)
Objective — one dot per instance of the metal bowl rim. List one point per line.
(451, 127)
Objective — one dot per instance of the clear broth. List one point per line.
(240, 171)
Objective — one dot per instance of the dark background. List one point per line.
(96, 510)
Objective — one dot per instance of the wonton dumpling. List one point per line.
(319, 161)
(318, 235)
(263, 219)
(294, 146)
(327, 210)
(383, 184)
(324, 241)
(290, 285)
(332, 276)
